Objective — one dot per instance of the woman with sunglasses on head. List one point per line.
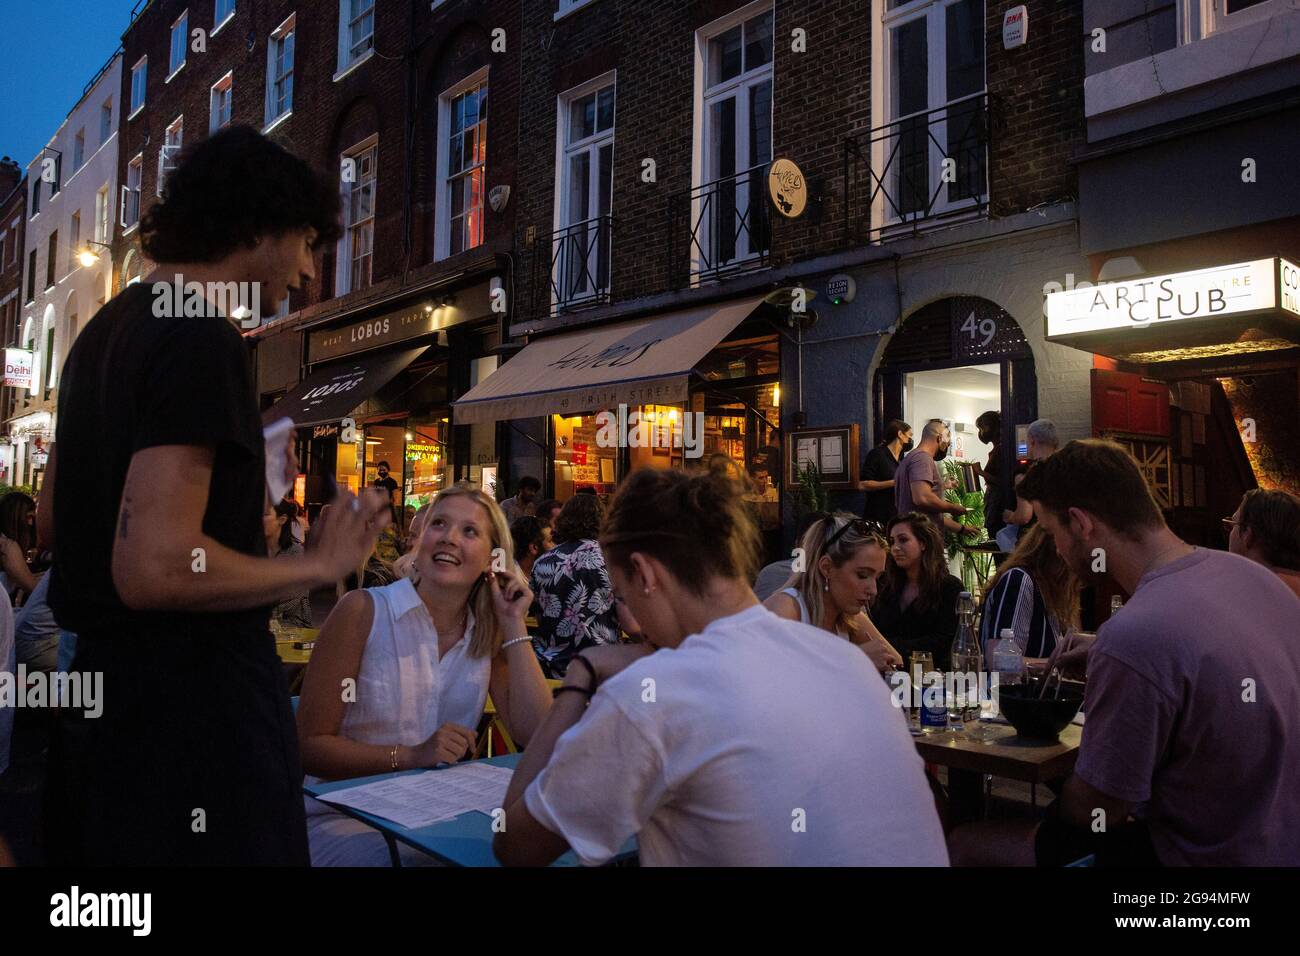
(843, 556)
(916, 608)
(401, 673)
(711, 743)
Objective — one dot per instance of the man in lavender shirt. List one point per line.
(1193, 699)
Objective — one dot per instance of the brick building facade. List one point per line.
(13, 222)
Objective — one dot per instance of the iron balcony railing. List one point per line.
(721, 228)
(570, 267)
(918, 171)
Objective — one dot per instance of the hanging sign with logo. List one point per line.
(18, 368)
(787, 188)
(1015, 27)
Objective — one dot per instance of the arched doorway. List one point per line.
(955, 359)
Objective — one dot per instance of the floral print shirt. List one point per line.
(573, 602)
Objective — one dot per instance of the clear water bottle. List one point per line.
(1008, 659)
(1116, 602)
(967, 667)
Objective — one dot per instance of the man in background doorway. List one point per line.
(389, 484)
(1042, 444)
(918, 486)
(522, 503)
(879, 468)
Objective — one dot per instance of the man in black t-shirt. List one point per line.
(194, 759)
(389, 484)
(878, 471)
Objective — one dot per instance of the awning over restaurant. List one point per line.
(646, 361)
(332, 392)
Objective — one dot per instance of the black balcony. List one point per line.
(918, 172)
(570, 267)
(719, 229)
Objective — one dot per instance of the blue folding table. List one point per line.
(464, 841)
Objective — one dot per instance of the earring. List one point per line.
(826, 585)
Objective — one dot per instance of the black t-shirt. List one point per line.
(880, 465)
(993, 491)
(912, 629)
(386, 482)
(196, 711)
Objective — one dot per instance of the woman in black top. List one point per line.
(916, 608)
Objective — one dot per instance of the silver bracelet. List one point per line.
(517, 640)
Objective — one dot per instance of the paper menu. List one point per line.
(420, 800)
(806, 452)
(832, 457)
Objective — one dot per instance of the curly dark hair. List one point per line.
(579, 519)
(230, 190)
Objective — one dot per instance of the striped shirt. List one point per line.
(1015, 603)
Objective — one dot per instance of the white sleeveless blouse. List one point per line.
(405, 692)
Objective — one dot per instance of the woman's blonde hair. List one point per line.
(811, 582)
(488, 630)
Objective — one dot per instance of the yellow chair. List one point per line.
(492, 721)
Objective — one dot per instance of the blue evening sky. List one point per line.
(51, 49)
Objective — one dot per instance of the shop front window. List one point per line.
(742, 434)
(581, 459)
(427, 461)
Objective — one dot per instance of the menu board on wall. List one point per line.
(833, 449)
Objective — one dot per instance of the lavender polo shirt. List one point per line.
(1194, 706)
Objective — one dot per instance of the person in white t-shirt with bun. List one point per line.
(732, 737)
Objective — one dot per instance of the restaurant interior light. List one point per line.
(410, 437)
(776, 395)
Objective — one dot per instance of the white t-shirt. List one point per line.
(758, 742)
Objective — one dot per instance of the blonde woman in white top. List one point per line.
(843, 556)
(401, 674)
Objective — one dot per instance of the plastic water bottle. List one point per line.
(1008, 659)
(1116, 602)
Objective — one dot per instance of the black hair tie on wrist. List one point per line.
(556, 692)
(579, 659)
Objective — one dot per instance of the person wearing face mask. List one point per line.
(879, 469)
(389, 484)
(424, 653)
(918, 486)
(844, 556)
(731, 722)
(916, 609)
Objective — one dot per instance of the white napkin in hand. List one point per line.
(277, 457)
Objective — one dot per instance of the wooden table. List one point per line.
(1004, 754)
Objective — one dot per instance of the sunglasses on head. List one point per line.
(860, 525)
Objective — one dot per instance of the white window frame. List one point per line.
(103, 230)
(343, 283)
(288, 28)
(183, 21)
(141, 69)
(170, 149)
(224, 85)
(442, 203)
(219, 21)
(564, 151)
(347, 61)
(705, 97)
(136, 162)
(1198, 19)
(882, 71)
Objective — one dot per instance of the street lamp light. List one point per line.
(87, 256)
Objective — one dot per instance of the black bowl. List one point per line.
(1038, 719)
